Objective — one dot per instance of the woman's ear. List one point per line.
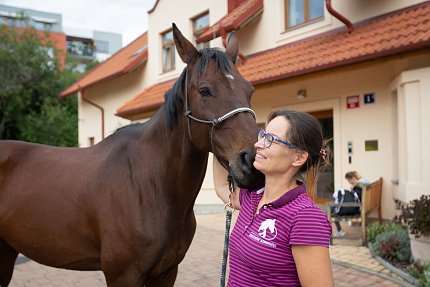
(301, 158)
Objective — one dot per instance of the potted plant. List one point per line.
(416, 216)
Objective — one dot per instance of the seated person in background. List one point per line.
(357, 182)
(355, 179)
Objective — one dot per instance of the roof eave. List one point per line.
(369, 57)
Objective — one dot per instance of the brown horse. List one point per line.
(125, 205)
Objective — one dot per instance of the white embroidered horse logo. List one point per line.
(268, 224)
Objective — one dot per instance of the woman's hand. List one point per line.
(221, 185)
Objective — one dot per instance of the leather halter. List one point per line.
(215, 122)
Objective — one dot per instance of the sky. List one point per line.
(127, 17)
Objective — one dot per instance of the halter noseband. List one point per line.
(215, 122)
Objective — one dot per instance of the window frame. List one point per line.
(197, 32)
(171, 46)
(306, 15)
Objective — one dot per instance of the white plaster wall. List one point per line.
(109, 95)
(268, 31)
(330, 89)
(413, 136)
(180, 13)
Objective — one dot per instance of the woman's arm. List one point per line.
(221, 185)
(313, 265)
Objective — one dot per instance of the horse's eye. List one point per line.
(205, 92)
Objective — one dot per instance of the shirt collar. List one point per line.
(289, 196)
(257, 193)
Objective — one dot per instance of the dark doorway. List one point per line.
(325, 186)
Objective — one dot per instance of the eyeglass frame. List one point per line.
(275, 139)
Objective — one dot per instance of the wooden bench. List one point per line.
(370, 200)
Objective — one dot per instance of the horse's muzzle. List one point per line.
(244, 173)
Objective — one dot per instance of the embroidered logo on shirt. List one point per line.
(268, 230)
(266, 233)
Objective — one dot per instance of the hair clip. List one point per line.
(323, 154)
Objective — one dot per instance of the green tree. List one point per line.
(31, 80)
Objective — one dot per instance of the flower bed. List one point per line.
(390, 245)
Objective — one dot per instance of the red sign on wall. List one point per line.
(353, 102)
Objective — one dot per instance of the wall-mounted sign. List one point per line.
(369, 98)
(353, 102)
(371, 145)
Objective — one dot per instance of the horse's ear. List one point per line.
(185, 48)
(232, 46)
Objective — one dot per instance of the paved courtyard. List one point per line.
(352, 265)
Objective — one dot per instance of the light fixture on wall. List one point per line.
(301, 94)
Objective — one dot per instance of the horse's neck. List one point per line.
(184, 164)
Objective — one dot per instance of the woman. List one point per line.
(281, 237)
(356, 180)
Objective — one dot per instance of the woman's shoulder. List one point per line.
(304, 201)
(305, 207)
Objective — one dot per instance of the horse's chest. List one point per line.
(172, 248)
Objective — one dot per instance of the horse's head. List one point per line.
(217, 102)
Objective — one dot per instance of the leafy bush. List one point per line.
(416, 215)
(374, 229)
(393, 246)
(421, 271)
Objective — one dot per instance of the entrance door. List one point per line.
(325, 186)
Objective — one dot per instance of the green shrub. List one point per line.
(394, 246)
(375, 229)
(421, 271)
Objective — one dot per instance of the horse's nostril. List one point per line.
(246, 159)
(245, 175)
(249, 159)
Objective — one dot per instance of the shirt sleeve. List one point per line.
(310, 227)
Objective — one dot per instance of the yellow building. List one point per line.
(361, 67)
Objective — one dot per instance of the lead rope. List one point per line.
(228, 207)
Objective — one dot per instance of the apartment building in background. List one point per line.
(82, 44)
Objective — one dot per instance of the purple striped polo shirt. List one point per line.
(260, 245)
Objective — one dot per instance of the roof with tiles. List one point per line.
(396, 32)
(401, 31)
(122, 62)
(234, 20)
(151, 98)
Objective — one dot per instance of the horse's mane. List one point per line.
(127, 127)
(173, 98)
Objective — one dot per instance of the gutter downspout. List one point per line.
(338, 16)
(81, 91)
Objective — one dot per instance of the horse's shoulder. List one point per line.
(9, 149)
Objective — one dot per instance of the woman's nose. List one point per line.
(259, 143)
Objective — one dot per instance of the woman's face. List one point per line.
(277, 158)
(352, 181)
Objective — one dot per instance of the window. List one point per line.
(168, 51)
(299, 12)
(80, 47)
(200, 24)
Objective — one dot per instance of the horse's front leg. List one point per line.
(132, 277)
(165, 279)
(7, 263)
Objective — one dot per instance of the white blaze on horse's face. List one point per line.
(229, 76)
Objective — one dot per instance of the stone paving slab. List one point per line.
(352, 265)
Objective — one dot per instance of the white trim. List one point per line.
(43, 19)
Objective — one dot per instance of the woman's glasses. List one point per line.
(270, 138)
